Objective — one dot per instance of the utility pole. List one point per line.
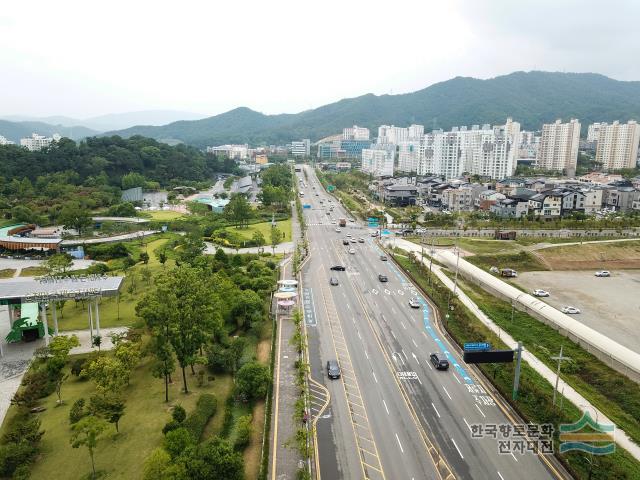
(559, 358)
(455, 281)
(431, 259)
(516, 379)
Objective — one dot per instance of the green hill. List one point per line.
(531, 98)
(14, 131)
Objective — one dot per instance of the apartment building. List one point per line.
(593, 132)
(353, 148)
(378, 162)
(236, 152)
(355, 133)
(458, 199)
(37, 142)
(617, 145)
(4, 141)
(409, 155)
(558, 148)
(301, 148)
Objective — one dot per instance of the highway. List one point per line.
(391, 415)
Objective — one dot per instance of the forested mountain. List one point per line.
(531, 98)
(14, 131)
(108, 159)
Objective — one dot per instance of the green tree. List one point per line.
(86, 433)
(258, 238)
(110, 407)
(156, 465)
(212, 460)
(59, 349)
(238, 210)
(144, 257)
(164, 364)
(252, 380)
(109, 374)
(133, 180)
(73, 215)
(177, 441)
(162, 256)
(276, 237)
(59, 263)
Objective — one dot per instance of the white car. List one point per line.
(570, 310)
(352, 251)
(338, 229)
(414, 303)
(603, 273)
(348, 235)
(540, 293)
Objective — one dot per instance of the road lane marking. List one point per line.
(456, 377)
(366, 354)
(481, 412)
(415, 358)
(514, 457)
(467, 423)
(445, 391)
(434, 407)
(401, 449)
(385, 406)
(403, 325)
(414, 342)
(394, 335)
(429, 364)
(359, 336)
(455, 445)
(374, 376)
(500, 475)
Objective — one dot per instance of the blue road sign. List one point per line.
(477, 347)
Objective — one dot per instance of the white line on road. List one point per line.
(459, 452)
(415, 357)
(514, 457)
(434, 407)
(366, 354)
(467, 423)
(445, 391)
(348, 306)
(429, 365)
(394, 335)
(359, 336)
(425, 335)
(374, 376)
(414, 342)
(402, 449)
(393, 310)
(403, 325)
(500, 475)
(456, 377)
(481, 412)
(385, 406)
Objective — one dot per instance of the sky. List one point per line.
(84, 58)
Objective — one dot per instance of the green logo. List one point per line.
(596, 440)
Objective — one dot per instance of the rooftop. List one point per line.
(58, 288)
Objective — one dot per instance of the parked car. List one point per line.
(603, 273)
(494, 270)
(338, 268)
(383, 258)
(439, 363)
(349, 235)
(338, 229)
(383, 278)
(570, 310)
(345, 241)
(353, 240)
(361, 240)
(414, 303)
(352, 251)
(508, 272)
(374, 234)
(540, 293)
(333, 369)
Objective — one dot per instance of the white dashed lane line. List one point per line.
(445, 391)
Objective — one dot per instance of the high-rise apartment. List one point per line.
(355, 133)
(618, 145)
(593, 131)
(378, 161)
(559, 146)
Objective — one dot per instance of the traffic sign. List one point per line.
(496, 356)
(331, 188)
(477, 347)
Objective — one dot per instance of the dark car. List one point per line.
(383, 278)
(439, 363)
(338, 268)
(333, 281)
(333, 369)
(345, 242)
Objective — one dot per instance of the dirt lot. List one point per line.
(609, 256)
(609, 305)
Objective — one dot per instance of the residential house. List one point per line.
(547, 204)
(488, 198)
(399, 195)
(510, 208)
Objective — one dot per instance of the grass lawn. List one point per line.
(521, 261)
(265, 228)
(594, 255)
(477, 246)
(163, 214)
(34, 271)
(120, 455)
(7, 273)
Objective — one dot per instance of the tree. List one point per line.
(146, 275)
(247, 308)
(165, 363)
(156, 464)
(109, 407)
(212, 460)
(133, 180)
(144, 257)
(258, 238)
(252, 380)
(73, 215)
(86, 433)
(276, 237)
(177, 441)
(238, 210)
(109, 374)
(59, 263)
(59, 349)
(162, 256)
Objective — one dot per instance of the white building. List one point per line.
(594, 131)
(378, 161)
(390, 134)
(409, 155)
(300, 148)
(528, 145)
(618, 145)
(38, 142)
(355, 133)
(237, 152)
(4, 141)
(559, 146)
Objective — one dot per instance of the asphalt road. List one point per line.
(390, 405)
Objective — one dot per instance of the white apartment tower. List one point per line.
(593, 131)
(378, 161)
(355, 133)
(559, 146)
(618, 145)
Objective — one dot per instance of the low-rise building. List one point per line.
(510, 208)
(458, 199)
(487, 198)
(399, 195)
(301, 148)
(38, 142)
(5, 141)
(547, 204)
(621, 197)
(236, 152)
(599, 178)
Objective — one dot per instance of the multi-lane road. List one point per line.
(391, 415)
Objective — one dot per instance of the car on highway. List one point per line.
(438, 362)
(353, 240)
(338, 229)
(383, 258)
(338, 268)
(345, 241)
(570, 310)
(603, 273)
(361, 240)
(352, 251)
(349, 235)
(333, 281)
(374, 234)
(383, 278)
(333, 369)
(414, 303)
(540, 293)
(328, 213)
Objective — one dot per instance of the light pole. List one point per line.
(559, 358)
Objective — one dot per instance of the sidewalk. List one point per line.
(284, 248)
(569, 393)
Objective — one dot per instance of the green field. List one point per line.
(7, 273)
(33, 271)
(161, 215)
(520, 261)
(265, 228)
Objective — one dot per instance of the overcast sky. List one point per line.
(85, 58)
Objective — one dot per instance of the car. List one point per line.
(349, 235)
(338, 229)
(540, 293)
(328, 213)
(494, 270)
(345, 241)
(333, 281)
(438, 362)
(414, 303)
(383, 258)
(570, 310)
(352, 251)
(317, 195)
(333, 369)
(338, 268)
(374, 234)
(603, 273)
(361, 240)
(352, 220)
(382, 278)
(353, 240)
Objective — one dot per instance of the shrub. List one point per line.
(107, 251)
(170, 426)
(156, 464)
(243, 432)
(197, 421)
(77, 366)
(77, 411)
(98, 269)
(176, 441)
(178, 413)
(20, 445)
(36, 384)
(252, 380)
(227, 423)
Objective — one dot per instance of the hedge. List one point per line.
(197, 421)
